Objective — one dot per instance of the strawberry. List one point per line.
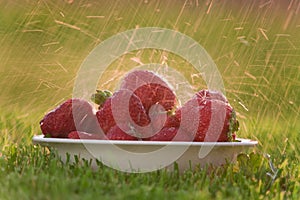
(73, 114)
(208, 117)
(116, 133)
(84, 135)
(150, 88)
(125, 108)
(170, 134)
(158, 117)
(172, 121)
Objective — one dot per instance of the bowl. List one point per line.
(146, 156)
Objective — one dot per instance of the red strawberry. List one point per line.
(84, 135)
(158, 117)
(73, 114)
(172, 121)
(170, 134)
(116, 133)
(209, 119)
(124, 108)
(150, 88)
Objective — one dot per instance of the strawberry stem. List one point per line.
(100, 96)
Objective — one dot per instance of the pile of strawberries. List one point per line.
(144, 108)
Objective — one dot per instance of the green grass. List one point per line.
(256, 47)
(34, 172)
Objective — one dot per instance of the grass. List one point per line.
(255, 45)
(34, 172)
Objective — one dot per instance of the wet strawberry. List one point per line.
(73, 114)
(150, 88)
(158, 117)
(116, 133)
(123, 107)
(172, 121)
(208, 118)
(84, 135)
(170, 134)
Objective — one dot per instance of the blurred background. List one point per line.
(255, 44)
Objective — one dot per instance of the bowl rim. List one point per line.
(40, 139)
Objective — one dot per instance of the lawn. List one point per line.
(256, 46)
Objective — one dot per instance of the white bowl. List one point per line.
(145, 156)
